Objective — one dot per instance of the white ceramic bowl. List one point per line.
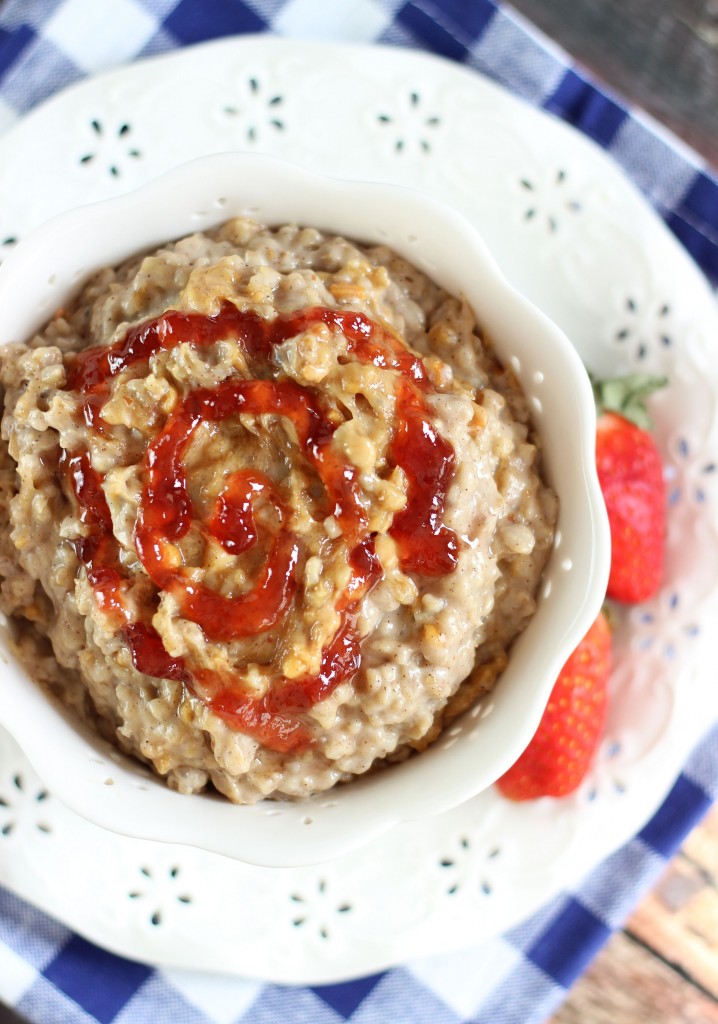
(119, 794)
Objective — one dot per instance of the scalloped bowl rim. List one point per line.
(113, 791)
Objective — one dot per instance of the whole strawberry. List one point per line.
(630, 472)
(561, 751)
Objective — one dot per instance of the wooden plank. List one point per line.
(628, 984)
(701, 846)
(679, 918)
(679, 921)
(664, 968)
(660, 54)
(6, 1015)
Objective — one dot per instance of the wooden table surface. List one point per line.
(663, 967)
(660, 54)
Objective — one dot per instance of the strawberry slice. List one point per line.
(560, 753)
(630, 472)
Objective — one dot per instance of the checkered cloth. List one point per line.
(50, 975)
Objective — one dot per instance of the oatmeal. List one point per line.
(273, 505)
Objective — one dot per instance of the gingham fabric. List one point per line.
(50, 975)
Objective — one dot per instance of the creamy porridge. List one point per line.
(275, 512)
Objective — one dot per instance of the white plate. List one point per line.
(571, 233)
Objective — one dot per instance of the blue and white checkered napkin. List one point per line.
(51, 975)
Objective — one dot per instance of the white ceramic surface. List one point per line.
(42, 273)
(574, 236)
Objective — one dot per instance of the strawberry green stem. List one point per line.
(627, 396)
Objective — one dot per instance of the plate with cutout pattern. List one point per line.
(573, 234)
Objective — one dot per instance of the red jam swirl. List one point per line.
(166, 513)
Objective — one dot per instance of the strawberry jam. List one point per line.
(250, 516)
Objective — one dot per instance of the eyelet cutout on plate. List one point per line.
(22, 802)
(660, 628)
(411, 124)
(160, 892)
(548, 204)
(257, 110)
(317, 909)
(111, 145)
(643, 329)
(7, 243)
(458, 868)
(689, 479)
